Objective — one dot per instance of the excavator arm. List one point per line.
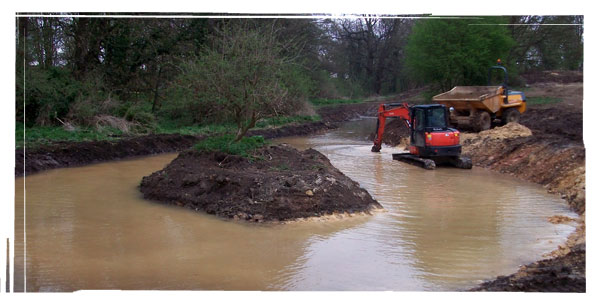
(396, 110)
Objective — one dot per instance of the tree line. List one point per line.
(201, 71)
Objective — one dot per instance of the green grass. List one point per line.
(285, 120)
(224, 143)
(327, 102)
(43, 135)
(170, 127)
(542, 100)
(36, 136)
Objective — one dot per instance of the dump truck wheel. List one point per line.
(481, 121)
(511, 115)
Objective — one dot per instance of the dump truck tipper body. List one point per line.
(478, 106)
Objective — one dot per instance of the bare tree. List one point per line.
(240, 74)
(368, 50)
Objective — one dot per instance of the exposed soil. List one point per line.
(70, 154)
(556, 122)
(557, 162)
(300, 129)
(396, 134)
(553, 76)
(560, 274)
(336, 114)
(284, 184)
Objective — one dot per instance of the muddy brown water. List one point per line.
(448, 229)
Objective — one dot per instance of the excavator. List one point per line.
(432, 141)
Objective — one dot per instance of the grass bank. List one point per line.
(542, 100)
(37, 136)
(43, 135)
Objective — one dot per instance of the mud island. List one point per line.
(278, 183)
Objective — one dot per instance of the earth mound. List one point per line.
(508, 131)
(556, 162)
(282, 184)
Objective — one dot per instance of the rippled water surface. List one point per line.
(447, 229)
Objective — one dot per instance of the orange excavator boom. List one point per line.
(401, 110)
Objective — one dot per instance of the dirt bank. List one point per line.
(283, 184)
(560, 274)
(342, 113)
(557, 162)
(558, 76)
(70, 154)
(300, 129)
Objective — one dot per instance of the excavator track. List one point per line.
(425, 163)
(461, 162)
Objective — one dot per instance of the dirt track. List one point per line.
(281, 184)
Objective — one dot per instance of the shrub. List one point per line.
(143, 118)
(226, 144)
(48, 93)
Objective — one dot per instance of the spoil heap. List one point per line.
(280, 183)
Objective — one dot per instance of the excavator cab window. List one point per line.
(436, 117)
(427, 118)
(419, 124)
(418, 120)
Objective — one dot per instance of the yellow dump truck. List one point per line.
(478, 106)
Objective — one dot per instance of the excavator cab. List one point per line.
(430, 134)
